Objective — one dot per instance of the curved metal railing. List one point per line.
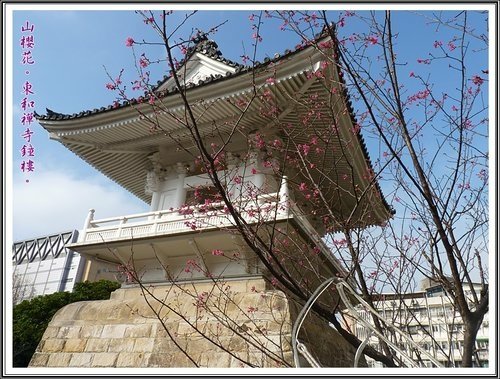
(341, 286)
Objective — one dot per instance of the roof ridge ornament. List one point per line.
(203, 45)
(50, 112)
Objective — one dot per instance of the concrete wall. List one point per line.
(239, 317)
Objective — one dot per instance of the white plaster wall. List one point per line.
(172, 191)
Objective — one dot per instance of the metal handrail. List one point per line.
(302, 315)
(341, 285)
(360, 349)
(340, 288)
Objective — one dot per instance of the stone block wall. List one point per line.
(239, 323)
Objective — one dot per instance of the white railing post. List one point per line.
(120, 226)
(283, 196)
(87, 224)
(156, 219)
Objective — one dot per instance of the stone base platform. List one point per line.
(235, 323)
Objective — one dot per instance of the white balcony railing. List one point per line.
(267, 208)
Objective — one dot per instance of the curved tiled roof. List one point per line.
(210, 49)
(203, 46)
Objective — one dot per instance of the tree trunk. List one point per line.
(471, 327)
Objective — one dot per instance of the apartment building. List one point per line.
(430, 320)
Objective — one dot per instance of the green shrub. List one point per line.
(31, 317)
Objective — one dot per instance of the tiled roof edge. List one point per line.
(203, 46)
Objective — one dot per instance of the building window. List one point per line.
(483, 344)
(413, 329)
(455, 328)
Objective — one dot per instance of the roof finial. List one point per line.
(50, 112)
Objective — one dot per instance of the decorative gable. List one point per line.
(203, 61)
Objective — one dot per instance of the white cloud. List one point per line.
(54, 202)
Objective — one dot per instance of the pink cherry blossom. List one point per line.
(372, 40)
(143, 61)
(483, 175)
(257, 37)
(326, 45)
(304, 148)
(277, 143)
(245, 58)
(129, 42)
(477, 80)
(420, 95)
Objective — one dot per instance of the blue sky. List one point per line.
(72, 52)
(71, 49)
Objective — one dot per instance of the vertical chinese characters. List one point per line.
(27, 151)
